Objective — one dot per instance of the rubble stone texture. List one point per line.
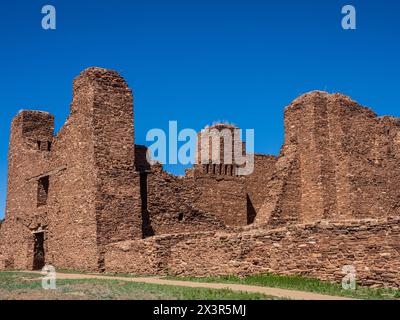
(87, 198)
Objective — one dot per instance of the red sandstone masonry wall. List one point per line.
(223, 196)
(316, 250)
(151, 255)
(258, 184)
(93, 196)
(339, 161)
(71, 212)
(281, 204)
(27, 157)
(117, 196)
(172, 205)
(97, 197)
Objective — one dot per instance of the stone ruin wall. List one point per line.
(97, 192)
(172, 205)
(305, 208)
(318, 250)
(89, 172)
(328, 200)
(339, 161)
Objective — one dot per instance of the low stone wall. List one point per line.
(150, 256)
(317, 250)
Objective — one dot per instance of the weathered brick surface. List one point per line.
(173, 205)
(93, 196)
(318, 250)
(330, 198)
(339, 161)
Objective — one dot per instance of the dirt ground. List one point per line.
(85, 292)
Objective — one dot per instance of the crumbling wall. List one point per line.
(171, 205)
(149, 256)
(258, 184)
(117, 194)
(192, 203)
(314, 250)
(30, 138)
(339, 161)
(92, 195)
(224, 196)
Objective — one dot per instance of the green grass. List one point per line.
(15, 285)
(302, 284)
(15, 281)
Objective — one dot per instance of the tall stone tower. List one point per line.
(106, 99)
(71, 195)
(216, 147)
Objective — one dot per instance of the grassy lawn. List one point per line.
(302, 284)
(19, 286)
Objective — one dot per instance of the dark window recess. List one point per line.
(43, 145)
(180, 217)
(43, 191)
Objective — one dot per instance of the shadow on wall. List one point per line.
(251, 211)
(147, 229)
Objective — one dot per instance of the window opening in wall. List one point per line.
(39, 143)
(180, 217)
(49, 146)
(42, 191)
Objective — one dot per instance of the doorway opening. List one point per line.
(38, 251)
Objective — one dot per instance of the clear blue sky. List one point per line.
(197, 61)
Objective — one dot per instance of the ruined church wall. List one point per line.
(171, 205)
(224, 196)
(339, 161)
(93, 195)
(27, 157)
(314, 250)
(117, 195)
(258, 184)
(97, 196)
(71, 215)
(192, 203)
